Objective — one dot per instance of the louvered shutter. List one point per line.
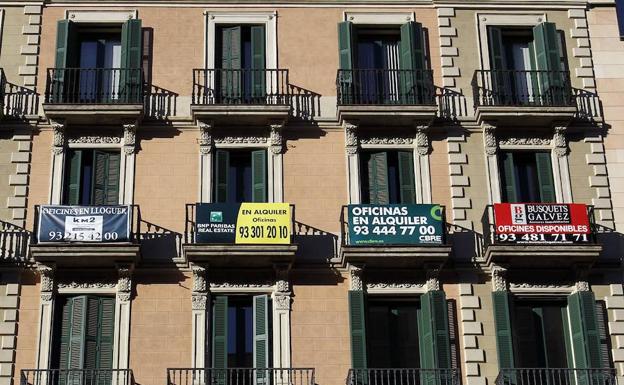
(406, 177)
(221, 177)
(65, 339)
(584, 329)
(65, 58)
(603, 333)
(76, 358)
(258, 75)
(92, 334)
(509, 177)
(231, 63)
(412, 64)
(499, 84)
(357, 317)
(74, 177)
(434, 333)
(112, 178)
(219, 334)
(545, 177)
(547, 59)
(105, 178)
(259, 175)
(106, 320)
(131, 61)
(346, 61)
(378, 178)
(502, 323)
(261, 338)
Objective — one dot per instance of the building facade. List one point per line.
(310, 193)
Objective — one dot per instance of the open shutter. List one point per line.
(499, 81)
(547, 58)
(357, 317)
(565, 319)
(258, 75)
(65, 57)
(346, 61)
(406, 177)
(508, 177)
(378, 178)
(603, 333)
(231, 63)
(65, 337)
(434, 331)
(259, 175)
(502, 323)
(545, 177)
(106, 319)
(261, 337)
(222, 167)
(112, 178)
(495, 40)
(584, 329)
(412, 64)
(219, 332)
(73, 178)
(131, 61)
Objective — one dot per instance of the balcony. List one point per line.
(556, 376)
(388, 246)
(17, 102)
(76, 377)
(13, 243)
(261, 249)
(386, 96)
(523, 98)
(555, 249)
(86, 236)
(240, 376)
(403, 376)
(94, 95)
(240, 96)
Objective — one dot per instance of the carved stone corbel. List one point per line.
(124, 282)
(59, 139)
(275, 137)
(129, 137)
(560, 145)
(355, 278)
(351, 138)
(282, 293)
(489, 139)
(499, 278)
(200, 288)
(422, 139)
(433, 277)
(47, 283)
(205, 137)
(581, 283)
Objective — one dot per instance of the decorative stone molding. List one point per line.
(46, 274)
(448, 52)
(91, 139)
(392, 141)
(87, 285)
(581, 286)
(129, 138)
(433, 278)
(205, 137)
(524, 141)
(395, 286)
(422, 140)
(282, 282)
(459, 182)
(355, 278)
(351, 138)
(275, 137)
(58, 138)
(560, 145)
(282, 301)
(199, 279)
(540, 286)
(31, 37)
(489, 139)
(240, 139)
(124, 283)
(499, 278)
(228, 285)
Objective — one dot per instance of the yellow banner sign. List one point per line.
(263, 223)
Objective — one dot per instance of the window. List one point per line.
(387, 177)
(240, 176)
(91, 177)
(526, 177)
(83, 338)
(241, 332)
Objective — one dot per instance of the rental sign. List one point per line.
(541, 223)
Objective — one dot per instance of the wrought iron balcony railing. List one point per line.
(240, 376)
(94, 86)
(556, 376)
(241, 87)
(403, 376)
(385, 87)
(76, 377)
(529, 88)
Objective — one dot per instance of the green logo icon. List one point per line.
(436, 212)
(216, 216)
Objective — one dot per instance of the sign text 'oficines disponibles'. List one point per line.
(542, 223)
(243, 223)
(395, 224)
(84, 224)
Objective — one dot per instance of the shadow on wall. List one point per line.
(315, 245)
(612, 243)
(304, 104)
(159, 244)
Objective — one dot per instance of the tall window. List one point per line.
(387, 177)
(526, 177)
(240, 176)
(91, 177)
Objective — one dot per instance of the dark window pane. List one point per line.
(240, 332)
(394, 187)
(525, 174)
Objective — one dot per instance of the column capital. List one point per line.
(489, 139)
(499, 278)
(355, 277)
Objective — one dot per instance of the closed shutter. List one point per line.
(259, 175)
(219, 333)
(412, 63)
(509, 178)
(105, 178)
(357, 317)
(378, 178)
(603, 333)
(65, 341)
(406, 177)
(221, 171)
(261, 338)
(502, 323)
(65, 58)
(545, 177)
(131, 61)
(231, 63)
(547, 58)
(112, 181)
(106, 317)
(92, 333)
(346, 61)
(258, 76)
(584, 329)
(434, 331)
(73, 178)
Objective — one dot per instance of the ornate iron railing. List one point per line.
(556, 376)
(94, 86)
(240, 376)
(385, 87)
(241, 86)
(76, 377)
(403, 376)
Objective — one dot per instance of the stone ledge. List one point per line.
(388, 115)
(395, 256)
(252, 256)
(86, 254)
(237, 114)
(544, 255)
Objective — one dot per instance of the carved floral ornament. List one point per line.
(93, 139)
(489, 139)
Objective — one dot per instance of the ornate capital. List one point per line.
(433, 278)
(281, 301)
(422, 140)
(129, 138)
(199, 301)
(355, 278)
(560, 145)
(46, 274)
(351, 138)
(282, 281)
(581, 283)
(205, 137)
(124, 282)
(489, 139)
(499, 278)
(275, 137)
(58, 141)
(199, 279)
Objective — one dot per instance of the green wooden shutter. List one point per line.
(231, 62)
(357, 317)
(219, 333)
(106, 320)
(346, 55)
(131, 61)
(434, 331)
(546, 48)
(73, 178)
(92, 327)
(259, 175)
(258, 62)
(567, 337)
(495, 40)
(603, 332)
(378, 178)
(502, 323)
(498, 78)
(584, 329)
(65, 57)
(112, 178)
(545, 177)
(221, 171)
(261, 337)
(412, 63)
(509, 177)
(105, 178)
(65, 337)
(406, 177)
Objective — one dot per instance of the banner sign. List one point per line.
(243, 223)
(395, 225)
(84, 224)
(541, 223)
